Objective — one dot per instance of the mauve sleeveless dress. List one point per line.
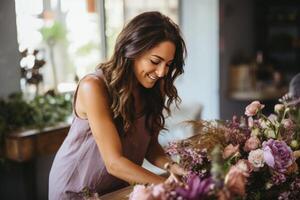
(78, 164)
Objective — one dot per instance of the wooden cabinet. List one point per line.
(23, 146)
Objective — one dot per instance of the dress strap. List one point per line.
(98, 74)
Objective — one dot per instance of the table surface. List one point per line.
(122, 194)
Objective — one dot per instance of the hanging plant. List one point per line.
(52, 35)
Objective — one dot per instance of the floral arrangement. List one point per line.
(251, 157)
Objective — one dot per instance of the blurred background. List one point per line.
(238, 51)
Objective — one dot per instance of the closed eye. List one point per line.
(154, 62)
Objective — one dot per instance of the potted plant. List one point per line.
(17, 114)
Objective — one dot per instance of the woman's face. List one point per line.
(154, 64)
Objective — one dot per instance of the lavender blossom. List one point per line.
(172, 148)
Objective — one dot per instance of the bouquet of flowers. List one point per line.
(251, 157)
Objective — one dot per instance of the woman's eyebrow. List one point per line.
(161, 58)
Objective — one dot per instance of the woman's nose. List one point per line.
(162, 70)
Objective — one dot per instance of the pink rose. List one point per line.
(288, 124)
(230, 150)
(236, 178)
(140, 192)
(253, 108)
(224, 195)
(235, 181)
(251, 144)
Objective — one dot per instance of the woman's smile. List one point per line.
(152, 77)
(154, 64)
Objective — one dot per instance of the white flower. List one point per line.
(256, 158)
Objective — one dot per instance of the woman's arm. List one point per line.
(157, 157)
(93, 102)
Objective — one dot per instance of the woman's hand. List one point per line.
(176, 172)
(173, 179)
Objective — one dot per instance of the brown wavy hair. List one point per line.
(142, 33)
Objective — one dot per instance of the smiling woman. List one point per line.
(119, 113)
(154, 64)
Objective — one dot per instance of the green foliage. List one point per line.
(54, 33)
(42, 111)
(87, 48)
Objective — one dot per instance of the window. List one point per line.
(68, 39)
(119, 12)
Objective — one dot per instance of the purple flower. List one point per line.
(172, 148)
(196, 188)
(293, 192)
(278, 178)
(278, 155)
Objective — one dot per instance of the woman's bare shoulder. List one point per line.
(91, 84)
(91, 91)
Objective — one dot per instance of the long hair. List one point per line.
(142, 33)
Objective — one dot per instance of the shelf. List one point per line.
(263, 95)
(293, 24)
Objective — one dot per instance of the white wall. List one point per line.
(200, 82)
(9, 55)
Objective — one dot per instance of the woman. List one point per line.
(119, 113)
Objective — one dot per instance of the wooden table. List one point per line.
(122, 194)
